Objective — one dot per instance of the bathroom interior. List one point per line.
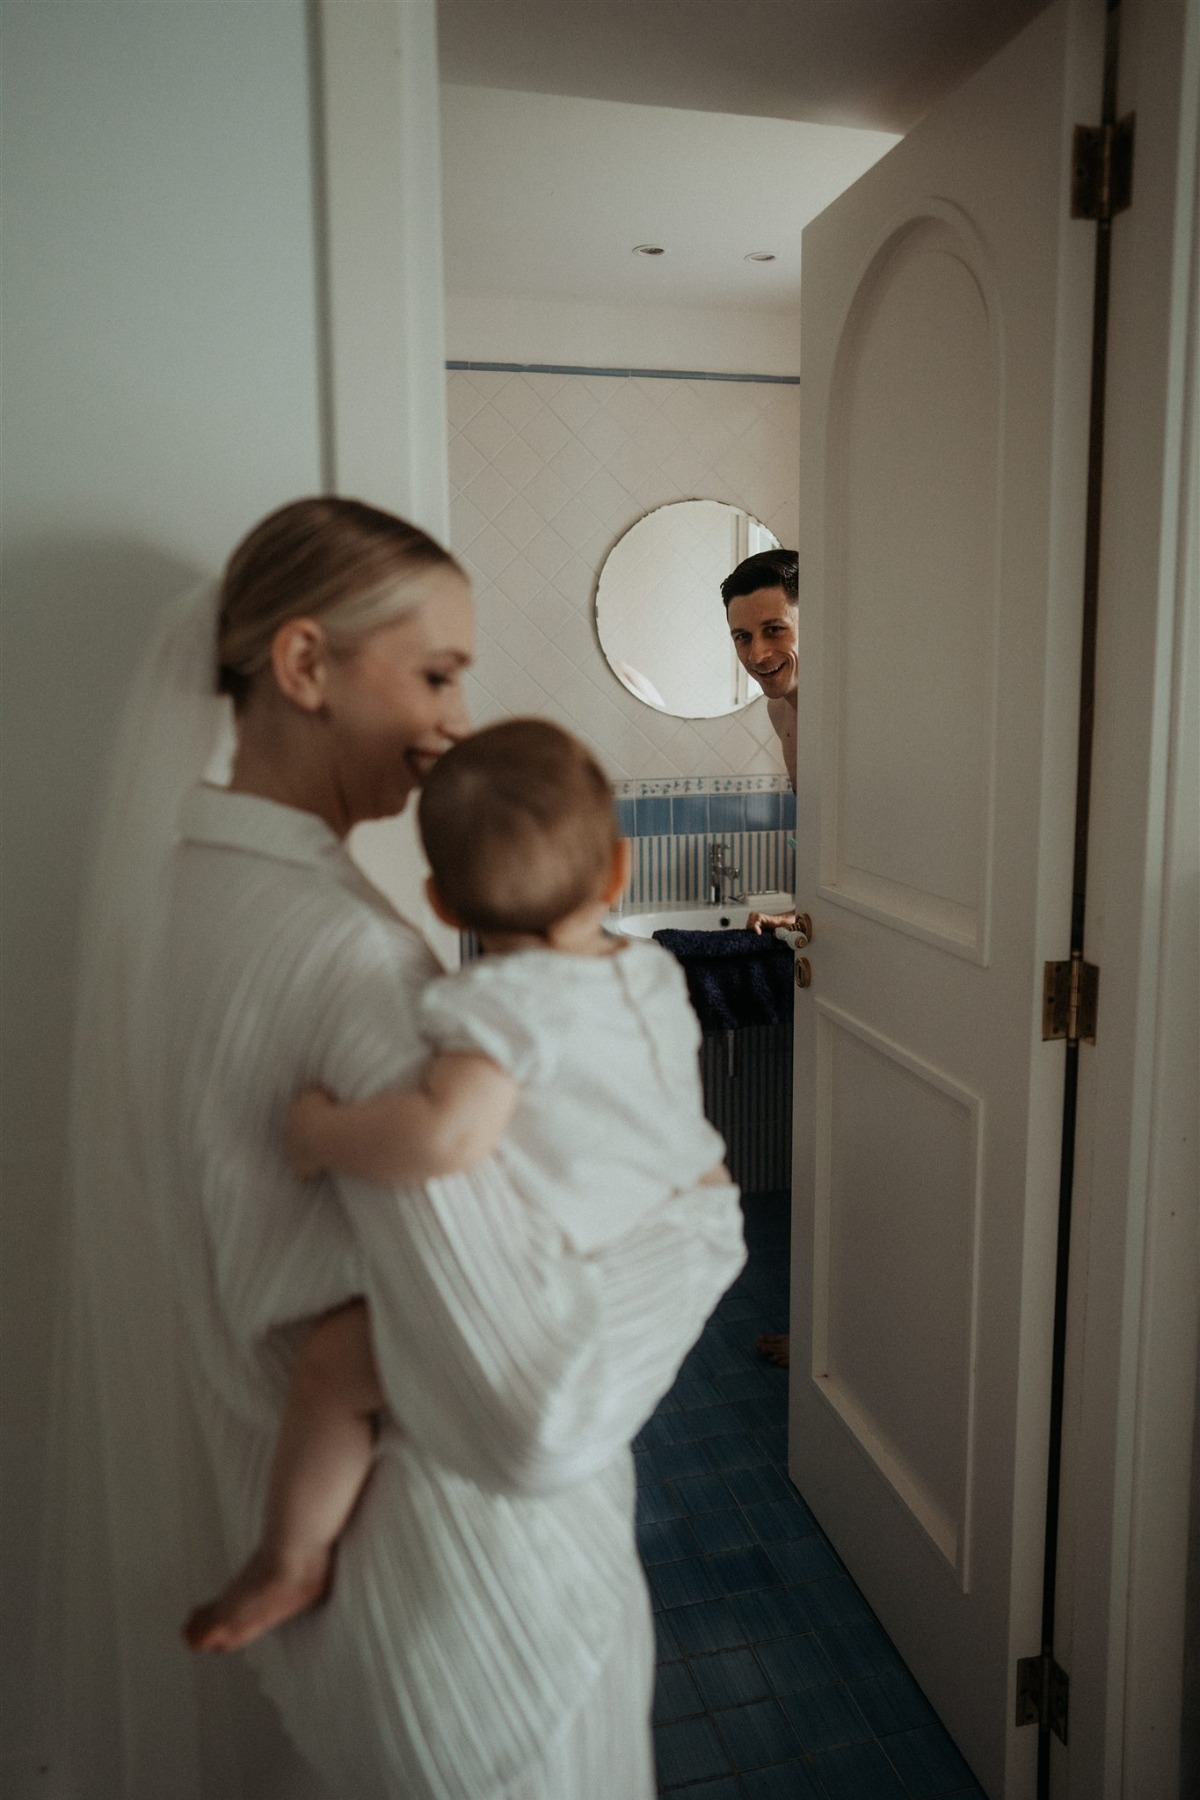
(624, 409)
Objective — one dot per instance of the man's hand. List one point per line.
(758, 922)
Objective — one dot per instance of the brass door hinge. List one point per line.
(1070, 997)
(1102, 170)
(1043, 1691)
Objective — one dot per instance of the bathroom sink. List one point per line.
(699, 918)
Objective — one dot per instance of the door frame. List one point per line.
(377, 159)
(1130, 1468)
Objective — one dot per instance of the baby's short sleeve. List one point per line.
(487, 1009)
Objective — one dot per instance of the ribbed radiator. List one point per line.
(747, 1078)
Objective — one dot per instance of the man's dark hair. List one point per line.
(770, 568)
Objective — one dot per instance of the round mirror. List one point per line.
(659, 612)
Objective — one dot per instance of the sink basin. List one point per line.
(699, 918)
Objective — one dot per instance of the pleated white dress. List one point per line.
(488, 1635)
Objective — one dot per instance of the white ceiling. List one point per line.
(548, 195)
(878, 64)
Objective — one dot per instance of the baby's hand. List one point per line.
(302, 1133)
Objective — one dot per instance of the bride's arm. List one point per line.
(507, 1356)
(514, 1360)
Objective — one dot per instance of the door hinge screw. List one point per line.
(1043, 1691)
(1102, 170)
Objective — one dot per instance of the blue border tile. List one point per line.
(727, 812)
(653, 816)
(689, 812)
(506, 368)
(761, 812)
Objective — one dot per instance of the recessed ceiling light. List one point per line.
(648, 250)
(759, 256)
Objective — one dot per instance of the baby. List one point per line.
(568, 1054)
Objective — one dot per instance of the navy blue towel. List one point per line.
(734, 978)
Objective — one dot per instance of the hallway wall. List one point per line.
(160, 393)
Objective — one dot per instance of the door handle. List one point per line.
(801, 937)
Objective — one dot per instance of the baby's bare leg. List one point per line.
(322, 1459)
(716, 1177)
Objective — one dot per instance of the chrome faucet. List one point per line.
(723, 875)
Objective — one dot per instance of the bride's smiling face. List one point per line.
(393, 701)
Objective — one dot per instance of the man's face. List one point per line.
(765, 628)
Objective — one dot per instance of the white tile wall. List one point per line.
(546, 473)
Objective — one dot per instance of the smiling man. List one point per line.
(762, 606)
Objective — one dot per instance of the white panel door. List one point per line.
(947, 312)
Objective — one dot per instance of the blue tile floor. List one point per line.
(775, 1679)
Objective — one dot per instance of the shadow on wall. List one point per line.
(75, 616)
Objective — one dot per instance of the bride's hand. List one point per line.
(302, 1133)
(760, 922)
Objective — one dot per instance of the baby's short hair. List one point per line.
(519, 826)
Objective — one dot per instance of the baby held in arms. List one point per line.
(568, 1054)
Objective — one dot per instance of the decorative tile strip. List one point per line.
(651, 786)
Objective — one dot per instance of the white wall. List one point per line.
(532, 328)
(161, 393)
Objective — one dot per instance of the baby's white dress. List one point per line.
(610, 1120)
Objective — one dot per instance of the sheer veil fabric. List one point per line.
(129, 1515)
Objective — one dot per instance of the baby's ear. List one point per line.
(618, 874)
(439, 906)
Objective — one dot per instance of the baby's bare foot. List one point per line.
(262, 1596)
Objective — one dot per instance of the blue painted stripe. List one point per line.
(507, 368)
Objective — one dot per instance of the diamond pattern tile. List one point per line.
(547, 472)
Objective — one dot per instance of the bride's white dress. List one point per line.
(488, 1634)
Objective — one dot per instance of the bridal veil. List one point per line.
(130, 1519)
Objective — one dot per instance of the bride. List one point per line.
(487, 1634)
